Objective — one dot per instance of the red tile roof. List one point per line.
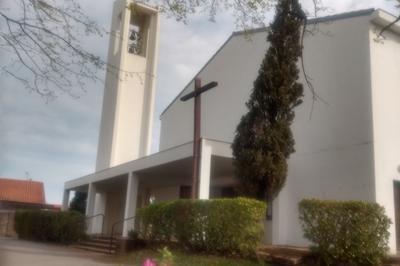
(26, 191)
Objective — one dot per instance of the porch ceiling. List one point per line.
(83, 188)
(167, 167)
(172, 173)
(172, 155)
(112, 184)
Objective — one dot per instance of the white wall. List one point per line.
(334, 153)
(334, 158)
(99, 208)
(234, 68)
(114, 211)
(385, 69)
(125, 131)
(110, 93)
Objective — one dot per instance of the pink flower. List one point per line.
(149, 262)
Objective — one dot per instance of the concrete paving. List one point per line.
(15, 252)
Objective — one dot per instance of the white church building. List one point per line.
(347, 145)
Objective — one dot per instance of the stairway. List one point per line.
(289, 255)
(283, 255)
(99, 244)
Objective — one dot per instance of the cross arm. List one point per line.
(199, 91)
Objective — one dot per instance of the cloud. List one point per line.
(335, 6)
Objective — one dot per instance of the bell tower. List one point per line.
(128, 101)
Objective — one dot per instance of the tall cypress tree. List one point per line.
(264, 140)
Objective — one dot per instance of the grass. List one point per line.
(181, 258)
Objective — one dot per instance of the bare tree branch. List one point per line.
(44, 42)
(44, 38)
(387, 27)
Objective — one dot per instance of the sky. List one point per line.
(56, 141)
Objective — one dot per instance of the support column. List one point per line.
(205, 170)
(99, 208)
(65, 201)
(130, 203)
(91, 198)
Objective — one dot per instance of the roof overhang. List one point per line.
(171, 163)
(163, 157)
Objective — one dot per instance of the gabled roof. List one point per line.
(23, 191)
(358, 13)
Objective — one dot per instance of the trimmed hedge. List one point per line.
(229, 226)
(346, 232)
(62, 227)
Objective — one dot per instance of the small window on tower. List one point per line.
(138, 28)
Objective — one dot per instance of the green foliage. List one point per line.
(229, 226)
(264, 140)
(347, 232)
(157, 222)
(133, 234)
(78, 202)
(166, 257)
(185, 258)
(62, 227)
(248, 13)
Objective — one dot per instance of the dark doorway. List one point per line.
(396, 187)
(185, 192)
(223, 192)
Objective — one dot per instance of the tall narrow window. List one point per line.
(134, 43)
(138, 31)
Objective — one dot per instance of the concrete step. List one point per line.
(95, 249)
(280, 259)
(101, 237)
(98, 244)
(283, 255)
(99, 241)
(392, 260)
(287, 255)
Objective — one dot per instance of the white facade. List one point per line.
(128, 102)
(385, 81)
(346, 144)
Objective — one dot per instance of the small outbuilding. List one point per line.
(19, 194)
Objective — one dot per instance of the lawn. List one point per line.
(181, 258)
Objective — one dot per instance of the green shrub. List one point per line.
(156, 222)
(348, 232)
(133, 235)
(232, 226)
(62, 227)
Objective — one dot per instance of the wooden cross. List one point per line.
(196, 94)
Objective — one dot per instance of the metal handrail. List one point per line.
(112, 230)
(96, 215)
